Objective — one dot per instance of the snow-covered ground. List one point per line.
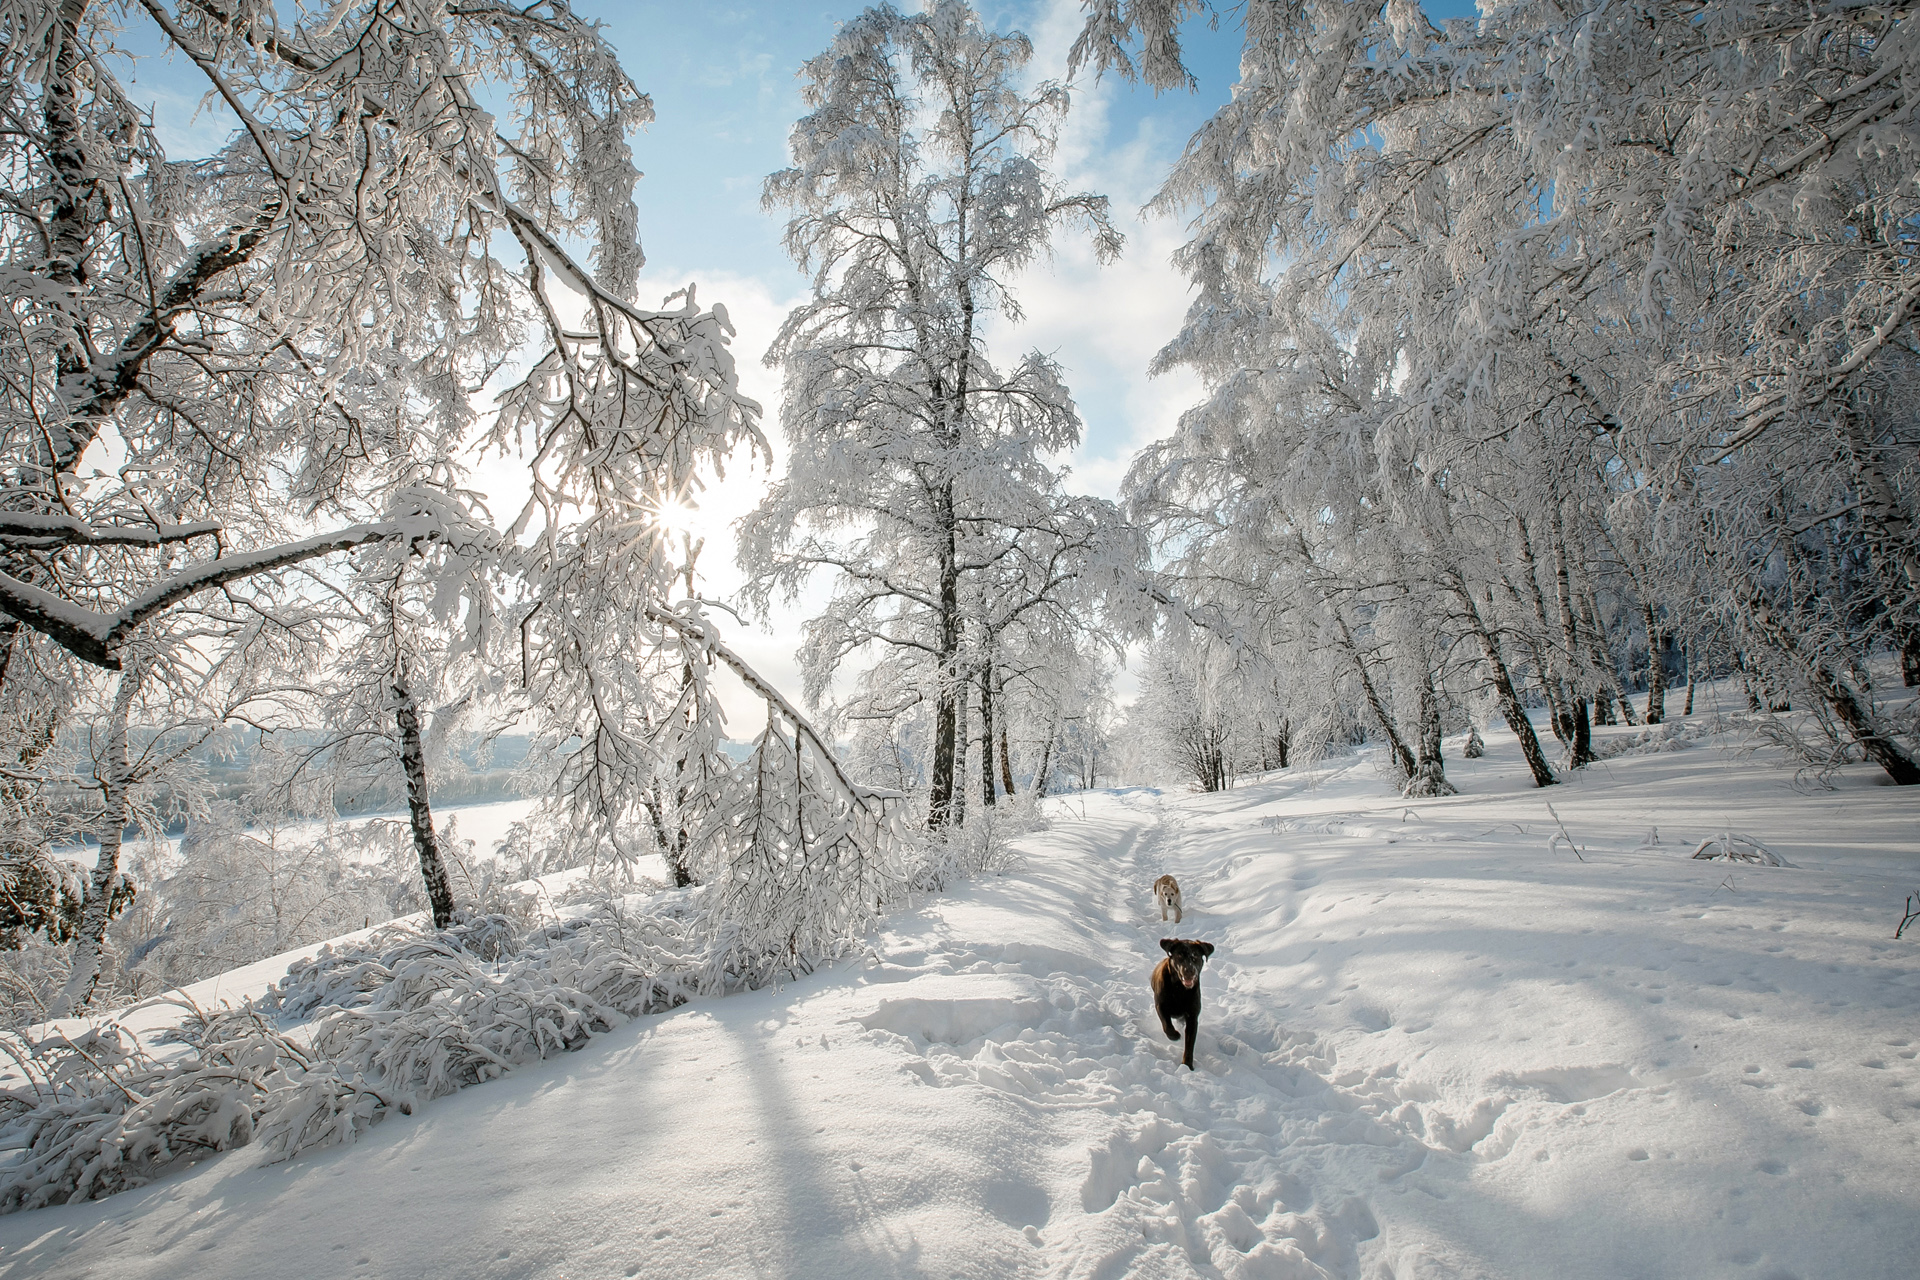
(1432, 1046)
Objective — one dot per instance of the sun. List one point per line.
(674, 516)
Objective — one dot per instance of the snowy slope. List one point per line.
(1431, 1048)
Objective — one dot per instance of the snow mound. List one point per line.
(955, 1009)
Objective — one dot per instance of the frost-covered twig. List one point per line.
(1563, 835)
(1730, 846)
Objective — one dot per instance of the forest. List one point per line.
(1557, 364)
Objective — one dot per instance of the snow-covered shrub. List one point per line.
(100, 1116)
(1674, 735)
(980, 846)
(428, 1014)
(442, 1021)
(1811, 740)
(97, 1114)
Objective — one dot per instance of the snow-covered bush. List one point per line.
(96, 1113)
(1674, 735)
(980, 846)
(102, 1116)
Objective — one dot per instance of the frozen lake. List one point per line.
(484, 824)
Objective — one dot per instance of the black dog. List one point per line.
(1176, 987)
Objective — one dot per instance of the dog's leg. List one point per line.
(1193, 1029)
(1166, 1025)
(1163, 908)
(1178, 914)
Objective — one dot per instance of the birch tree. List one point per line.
(918, 188)
(1620, 258)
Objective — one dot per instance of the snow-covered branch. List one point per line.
(36, 531)
(94, 636)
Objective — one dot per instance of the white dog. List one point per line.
(1166, 892)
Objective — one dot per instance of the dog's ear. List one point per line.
(1205, 948)
(1166, 944)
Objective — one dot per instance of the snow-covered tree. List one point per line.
(1565, 267)
(218, 370)
(407, 665)
(915, 465)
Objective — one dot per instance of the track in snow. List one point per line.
(1255, 1164)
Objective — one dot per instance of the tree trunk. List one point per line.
(1402, 758)
(1581, 728)
(96, 910)
(673, 849)
(1040, 776)
(1582, 734)
(9, 636)
(1559, 710)
(1603, 691)
(1559, 717)
(1614, 689)
(940, 806)
(1000, 717)
(676, 842)
(987, 794)
(1891, 542)
(962, 743)
(1656, 667)
(70, 221)
(413, 763)
(1429, 776)
(1604, 653)
(1746, 679)
(1510, 709)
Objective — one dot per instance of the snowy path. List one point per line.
(1429, 1049)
